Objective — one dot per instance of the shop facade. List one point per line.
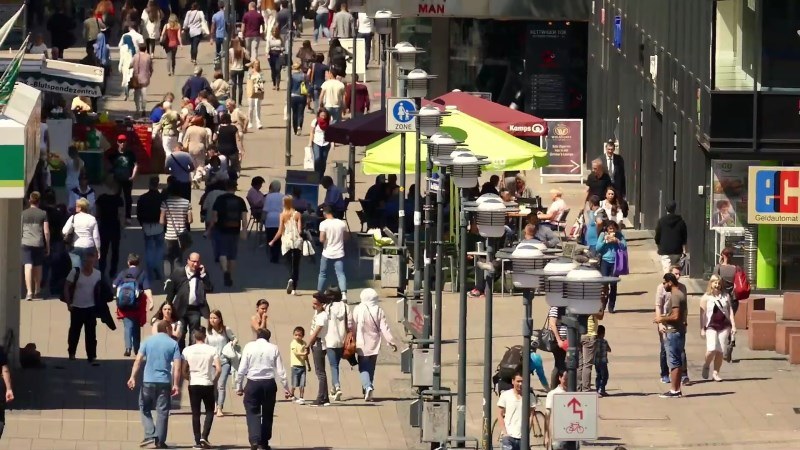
(699, 95)
(528, 54)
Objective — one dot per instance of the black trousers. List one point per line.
(204, 395)
(259, 406)
(127, 189)
(109, 240)
(191, 322)
(293, 258)
(318, 354)
(82, 318)
(559, 362)
(274, 252)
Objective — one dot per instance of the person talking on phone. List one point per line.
(186, 290)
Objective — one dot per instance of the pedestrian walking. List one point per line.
(332, 233)
(254, 29)
(169, 125)
(219, 30)
(220, 88)
(86, 294)
(75, 169)
(152, 17)
(598, 180)
(663, 306)
(218, 337)
(316, 74)
(275, 55)
(61, 27)
(371, 328)
(316, 342)
(186, 290)
(321, 22)
(35, 245)
(586, 358)
(726, 270)
(601, 351)
(134, 299)
(236, 67)
(81, 233)
(82, 191)
(609, 243)
(230, 145)
(299, 93)
(228, 225)
(176, 217)
(194, 21)
(300, 365)
(615, 167)
(6, 388)
(674, 328)
(362, 98)
(510, 413)
(261, 366)
(273, 208)
(127, 49)
(180, 165)
(238, 118)
(268, 11)
(284, 21)
(306, 55)
(196, 140)
(171, 40)
(165, 314)
(194, 85)
(107, 211)
(339, 322)
(201, 367)
(342, 25)
(57, 263)
(255, 93)
(291, 242)
(559, 331)
(162, 362)
(142, 64)
(148, 212)
(319, 145)
(718, 325)
(92, 27)
(616, 209)
(124, 168)
(331, 95)
(260, 320)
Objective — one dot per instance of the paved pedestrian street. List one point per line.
(73, 405)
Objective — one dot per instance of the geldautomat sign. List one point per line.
(774, 195)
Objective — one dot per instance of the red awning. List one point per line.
(512, 121)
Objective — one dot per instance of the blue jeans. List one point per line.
(336, 113)
(218, 46)
(338, 267)
(673, 345)
(607, 270)
(315, 93)
(366, 369)
(155, 396)
(194, 42)
(154, 254)
(321, 26)
(133, 334)
(334, 357)
(222, 383)
(601, 380)
(298, 107)
(509, 443)
(320, 158)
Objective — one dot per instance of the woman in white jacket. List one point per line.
(127, 49)
(151, 25)
(339, 318)
(82, 233)
(718, 325)
(371, 328)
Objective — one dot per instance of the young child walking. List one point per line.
(601, 351)
(300, 364)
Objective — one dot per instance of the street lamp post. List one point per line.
(383, 26)
(580, 291)
(288, 135)
(464, 168)
(356, 6)
(490, 216)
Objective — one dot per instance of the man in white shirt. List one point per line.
(79, 295)
(510, 413)
(201, 364)
(261, 364)
(332, 234)
(548, 403)
(332, 97)
(366, 32)
(554, 211)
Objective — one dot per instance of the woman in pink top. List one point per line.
(370, 325)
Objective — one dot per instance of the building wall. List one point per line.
(645, 79)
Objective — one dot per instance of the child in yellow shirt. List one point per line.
(300, 364)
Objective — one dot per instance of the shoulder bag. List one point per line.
(547, 340)
(349, 348)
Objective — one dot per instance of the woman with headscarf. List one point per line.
(126, 51)
(371, 328)
(102, 58)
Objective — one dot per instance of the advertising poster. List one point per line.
(564, 145)
(728, 205)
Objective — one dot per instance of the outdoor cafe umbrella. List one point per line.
(512, 121)
(363, 130)
(505, 152)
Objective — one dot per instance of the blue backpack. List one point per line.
(128, 292)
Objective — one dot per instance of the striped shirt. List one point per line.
(176, 215)
(554, 312)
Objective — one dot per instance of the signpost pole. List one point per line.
(288, 133)
(417, 217)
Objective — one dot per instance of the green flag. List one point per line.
(9, 78)
(5, 30)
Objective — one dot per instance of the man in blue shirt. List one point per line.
(161, 371)
(333, 197)
(219, 29)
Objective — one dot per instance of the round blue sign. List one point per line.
(403, 111)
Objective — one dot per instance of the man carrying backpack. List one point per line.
(134, 299)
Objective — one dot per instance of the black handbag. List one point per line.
(547, 339)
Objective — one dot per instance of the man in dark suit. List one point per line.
(615, 167)
(186, 291)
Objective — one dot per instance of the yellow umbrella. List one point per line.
(504, 151)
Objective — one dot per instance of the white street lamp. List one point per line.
(429, 120)
(416, 83)
(383, 22)
(580, 290)
(489, 209)
(356, 6)
(406, 55)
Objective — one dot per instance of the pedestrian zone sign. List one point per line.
(400, 115)
(574, 416)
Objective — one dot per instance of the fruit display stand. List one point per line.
(91, 145)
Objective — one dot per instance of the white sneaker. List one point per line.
(300, 401)
(290, 286)
(368, 394)
(293, 292)
(716, 377)
(249, 126)
(344, 296)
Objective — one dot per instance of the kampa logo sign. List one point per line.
(774, 195)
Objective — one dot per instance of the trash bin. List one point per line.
(390, 267)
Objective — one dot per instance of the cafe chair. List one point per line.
(561, 225)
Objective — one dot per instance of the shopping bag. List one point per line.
(308, 159)
(621, 262)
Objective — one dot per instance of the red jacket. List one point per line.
(139, 314)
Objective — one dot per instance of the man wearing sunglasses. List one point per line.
(124, 168)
